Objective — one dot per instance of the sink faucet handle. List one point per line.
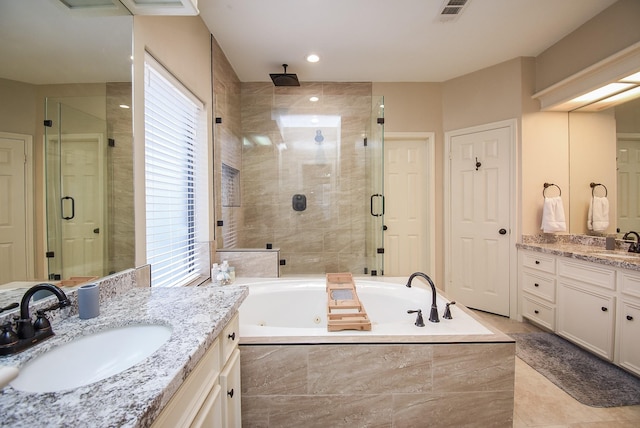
(42, 322)
(10, 306)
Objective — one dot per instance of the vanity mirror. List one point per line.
(605, 148)
(65, 98)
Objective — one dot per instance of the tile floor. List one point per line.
(541, 404)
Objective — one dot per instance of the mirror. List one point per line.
(73, 69)
(605, 149)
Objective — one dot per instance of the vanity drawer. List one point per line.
(539, 261)
(543, 286)
(545, 315)
(630, 283)
(589, 273)
(229, 338)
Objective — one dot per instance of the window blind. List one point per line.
(172, 145)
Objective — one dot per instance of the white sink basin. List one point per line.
(91, 358)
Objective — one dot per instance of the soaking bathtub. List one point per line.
(294, 372)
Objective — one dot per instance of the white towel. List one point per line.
(598, 218)
(553, 215)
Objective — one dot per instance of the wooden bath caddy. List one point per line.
(344, 309)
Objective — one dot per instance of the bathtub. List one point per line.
(294, 372)
(298, 308)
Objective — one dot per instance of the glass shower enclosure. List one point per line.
(308, 177)
(75, 171)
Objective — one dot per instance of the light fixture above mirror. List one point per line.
(135, 7)
(605, 84)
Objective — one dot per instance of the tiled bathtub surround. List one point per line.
(378, 385)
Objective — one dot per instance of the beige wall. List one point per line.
(417, 107)
(185, 50)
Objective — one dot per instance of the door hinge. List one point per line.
(380, 251)
(381, 121)
(48, 123)
(365, 141)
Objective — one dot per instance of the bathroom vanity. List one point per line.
(193, 379)
(586, 294)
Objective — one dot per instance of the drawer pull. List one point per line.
(536, 311)
(604, 309)
(535, 284)
(629, 317)
(537, 262)
(232, 336)
(230, 393)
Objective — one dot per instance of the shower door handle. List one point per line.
(73, 207)
(376, 195)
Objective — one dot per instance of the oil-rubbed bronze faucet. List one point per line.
(433, 316)
(634, 247)
(29, 333)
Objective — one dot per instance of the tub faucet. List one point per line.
(433, 316)
(634, 247)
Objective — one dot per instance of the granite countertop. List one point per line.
(591, 253)
(134, 397)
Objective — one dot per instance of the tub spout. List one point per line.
(433, 316)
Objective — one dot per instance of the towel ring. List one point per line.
(546, 185)
(593, 189)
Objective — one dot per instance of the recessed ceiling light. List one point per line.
(314, 99)
(313, 58)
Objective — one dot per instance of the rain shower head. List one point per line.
(284, 79)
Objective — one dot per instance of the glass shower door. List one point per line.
(75, 190)
(374, 224)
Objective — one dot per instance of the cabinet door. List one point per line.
(629, 336)
(230, 383)
(586, 318)
(210, 414)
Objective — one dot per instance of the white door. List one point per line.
(480, 215)
(405, 188)
(628, 162)
(82, 205)
(13, 203)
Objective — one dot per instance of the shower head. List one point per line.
(284, 79)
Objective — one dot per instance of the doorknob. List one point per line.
(502, 231)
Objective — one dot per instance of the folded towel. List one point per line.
(598, 217)
(553, 215)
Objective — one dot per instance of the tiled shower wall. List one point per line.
(120, 178)
(293, 146)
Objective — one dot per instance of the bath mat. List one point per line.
(587, 378)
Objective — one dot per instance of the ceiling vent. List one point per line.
(451, 9)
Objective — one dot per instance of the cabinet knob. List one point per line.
(629, 317)
(535, 284)
(536, 311)
(537, 262)
(232, 336)
(604, 309)
(230, 393)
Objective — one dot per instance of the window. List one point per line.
(175, 147)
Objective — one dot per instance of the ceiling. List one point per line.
(357, 40)
(386, 40)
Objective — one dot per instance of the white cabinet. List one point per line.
(594, 305)
(210, 396)
(586, 305)
(628, 350)
(586, 317)
(538, 284)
